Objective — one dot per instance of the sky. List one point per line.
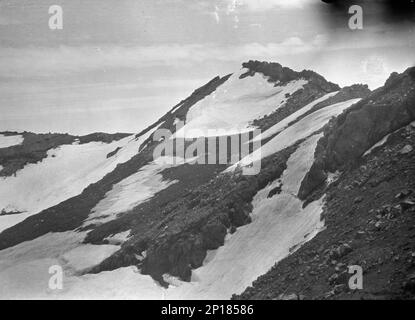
(118, 65)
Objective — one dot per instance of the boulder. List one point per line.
(407, 149)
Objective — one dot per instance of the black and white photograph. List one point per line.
(206, 150)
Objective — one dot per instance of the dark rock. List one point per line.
(113, 153)
(314, 178)
(407, 204)
(358, 200)
(339, 288)
(273, 192)
(214, 235)
(292, 296)
(340, 251)
(403, 194)
(409, 284)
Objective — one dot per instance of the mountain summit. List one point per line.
(124, 223)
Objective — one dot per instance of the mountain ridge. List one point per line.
(188, 210)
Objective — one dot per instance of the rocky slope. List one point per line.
(361, 126)
(34, 147)
(369, 209)
(369, 217)
(173, 228)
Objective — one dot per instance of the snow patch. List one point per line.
(333, 176)
(377, 145)
(48, 246)
(382, 141)
(87, 256)
(28, 281)
(176, 107)
(24, 268)
(124, 283)
(9, 141)
(65, 173)
(132, 191)
(299, 130)
(235, 104)
(286, 121)
(118, 238)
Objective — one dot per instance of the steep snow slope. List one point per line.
(132, 191)
(299, 130)
(284, 123)
(278, 225)
(8, 141)
(235, 104)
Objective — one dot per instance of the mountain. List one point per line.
(364, 164)
(171, 212)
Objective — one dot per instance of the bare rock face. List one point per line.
(181, 254)
(347, 137)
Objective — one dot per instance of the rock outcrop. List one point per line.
(347, 137)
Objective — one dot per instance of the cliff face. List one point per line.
(348, 136)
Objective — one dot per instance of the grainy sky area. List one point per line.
(119, 65)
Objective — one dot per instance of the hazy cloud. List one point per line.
(19, 62)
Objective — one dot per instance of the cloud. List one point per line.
(64, 60)
(33, 62)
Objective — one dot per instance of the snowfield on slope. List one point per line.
(235, 104)
(279, 224)
(65, 173)
(133, 190)
(299, 130)
(24, 268)
(9, 141)
(24, 271)
(286, 121)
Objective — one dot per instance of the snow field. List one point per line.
(133, 190)
(9, 141)
(235, 104)
(299, 130)
(65, 173)
(279, 224)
